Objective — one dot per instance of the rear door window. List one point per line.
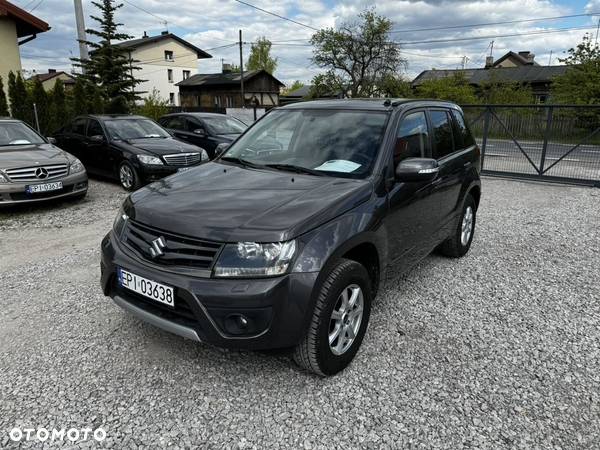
(94, 129)
(412, 138)
(79, 126)
(462, 134)
(443, 141)
(176, 123)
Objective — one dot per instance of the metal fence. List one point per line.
(547, 142)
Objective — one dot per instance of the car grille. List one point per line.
(182, 159)
(38, 173)
(176, 251)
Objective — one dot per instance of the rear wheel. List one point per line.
(460, 242)
(339, 320)
(128, 176)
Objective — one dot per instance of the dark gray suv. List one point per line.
(284, 240)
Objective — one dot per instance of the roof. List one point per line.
(370, 104)
(27, 24)
(524, 61)
(136, 43)
(521, 74)
(221, 79)
(48, 76)
(300, 92)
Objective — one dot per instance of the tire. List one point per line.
(314, 352)
(128, 177)
(460, 242)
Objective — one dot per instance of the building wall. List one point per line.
(154, 67)
(49, 84)
(10, 59)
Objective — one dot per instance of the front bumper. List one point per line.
(276, 310)
(14, 193)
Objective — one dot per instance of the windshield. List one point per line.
(17, 133)
(332, 142)
(224, 125)
(126, 129)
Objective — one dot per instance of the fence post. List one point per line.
(549, 118)
(486, 130)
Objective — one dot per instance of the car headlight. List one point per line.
(3, 178)
(251, 259)
(76, 166)
(119, 223)
(204, 156)
(150, 160)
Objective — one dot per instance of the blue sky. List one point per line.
(213, 23)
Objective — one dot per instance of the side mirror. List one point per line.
(200, 132)
(417, 169)
(97, 138)
(220, 149)
(51, 140)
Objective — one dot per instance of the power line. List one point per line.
(277, 15)
(36, 6)
(162, 20)
(494, 36)
(485, 24)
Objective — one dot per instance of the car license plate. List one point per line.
(148, 288)
(183, 169)
(46, 187)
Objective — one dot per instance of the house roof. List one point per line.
(524, 61)
(300, 92)
(48, 76)
(27, 24)
(136, 43)
(223, 79)
(521, 74)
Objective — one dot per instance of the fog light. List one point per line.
(237, 324)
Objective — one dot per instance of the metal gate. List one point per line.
(549, 142)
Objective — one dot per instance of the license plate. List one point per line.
(46, 187)
(148, 288)
(183, 169)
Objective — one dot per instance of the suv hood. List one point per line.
(159, 146)
(228, 203)
(12, 157)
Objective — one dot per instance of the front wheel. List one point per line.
(128, 176)
(339, 320)
(459, 243)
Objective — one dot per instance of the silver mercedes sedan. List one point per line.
(32, 168)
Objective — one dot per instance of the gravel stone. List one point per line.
(500, 349)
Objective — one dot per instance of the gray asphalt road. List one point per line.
(500, 349)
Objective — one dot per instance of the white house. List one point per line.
(164, 60)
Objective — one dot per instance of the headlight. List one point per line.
(3, 178)
(76, 166)
(119, 223)
(150, 160)
(204, 156)
(251, 259)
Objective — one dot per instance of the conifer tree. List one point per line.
(3, 101)
(58, 107)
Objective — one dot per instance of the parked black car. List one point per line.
(132, 149)
(206, 130)
(32, 168)
(284, 240)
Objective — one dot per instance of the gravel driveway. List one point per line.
(500, 349)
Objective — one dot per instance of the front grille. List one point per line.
(182, 159)
(38, 173)
(176, 250)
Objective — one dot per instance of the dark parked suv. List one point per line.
(284, 240)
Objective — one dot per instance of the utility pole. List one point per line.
(81, 37)
(550, 59)
(597, 31)
(492, 48)
(242, 72)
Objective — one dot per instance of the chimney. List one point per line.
(164, 33)
(145, 35)
(51, 70)
(489, 62)
(527, 56)
(226, 68)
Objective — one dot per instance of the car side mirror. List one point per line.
(221, 148)
(51, 140)
(97, 138)
(417, 169)
(200, 132)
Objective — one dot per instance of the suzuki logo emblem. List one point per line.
(158, 245)
(41, 173)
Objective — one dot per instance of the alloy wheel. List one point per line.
(346, 318)
(467, 226)
(126, 176)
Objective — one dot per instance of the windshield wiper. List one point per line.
(296, 169)
(243, 162)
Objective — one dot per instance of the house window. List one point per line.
(172, 98)
(186, 74)
(168, 55)
(229, 101)
(170, 75)
(217, 101)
